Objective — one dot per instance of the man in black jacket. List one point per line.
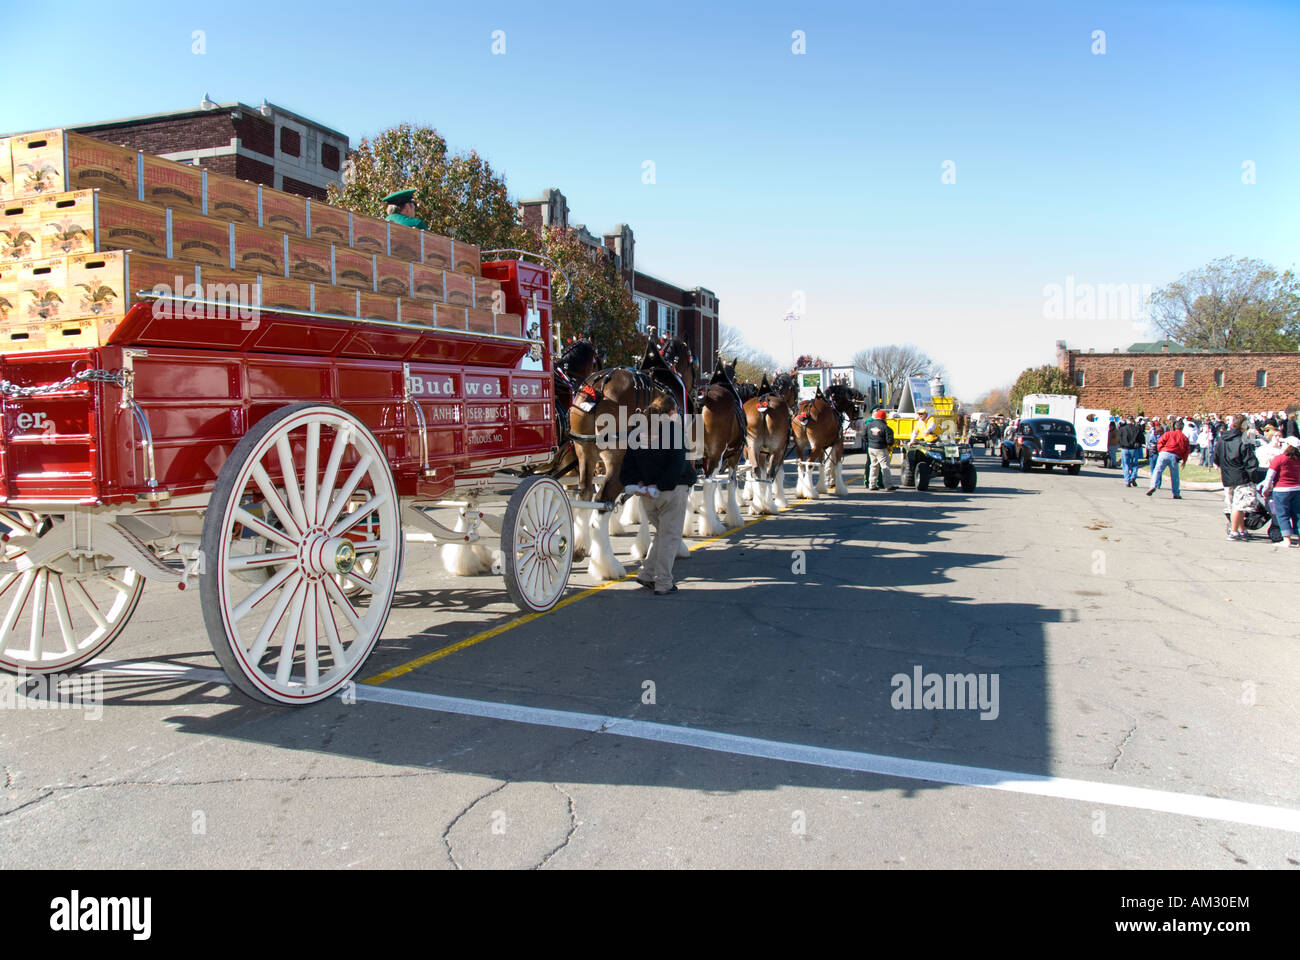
(880, 447)
(1238, 490)
(659, 471)
(1129, 437)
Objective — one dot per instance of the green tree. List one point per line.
(1044, 379)
(458, 195)
(600, 305)
(894, 364)
(1231, 305)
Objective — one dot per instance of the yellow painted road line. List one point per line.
(382, 678)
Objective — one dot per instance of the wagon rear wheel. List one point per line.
(535, 544)
(57, 615)
(304, 504)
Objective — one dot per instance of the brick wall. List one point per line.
(246, 168)
(169, 135)
(1103, 385)
(256, 133)
(290, 185)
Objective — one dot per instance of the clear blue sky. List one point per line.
(779, 172)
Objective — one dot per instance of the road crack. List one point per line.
(446, 834)
(573, 827)
(1119, 750)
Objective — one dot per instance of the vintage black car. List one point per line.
(1044, 441)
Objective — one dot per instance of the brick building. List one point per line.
(266, 144)
(690, 313)
(1165, 377)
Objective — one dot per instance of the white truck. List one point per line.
(1058, 405)
(811, 379)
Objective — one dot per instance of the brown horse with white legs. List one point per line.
(722, 415)
(600, 421)
(767, 422)
(819, 439)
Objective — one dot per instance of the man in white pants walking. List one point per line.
(661, 474)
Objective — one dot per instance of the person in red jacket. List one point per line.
(1172, 450)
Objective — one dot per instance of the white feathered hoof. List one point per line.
(641, 545)
(692, 504)
(461, 559)
(804, 488)
(602, 565)
(838, 474)
(682, 549)
(747, 491)
(778, 490)
(709, 525)
(731, 517)
(581, 533)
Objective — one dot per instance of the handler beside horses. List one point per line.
(667, 478)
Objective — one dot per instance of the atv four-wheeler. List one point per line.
(954, 462)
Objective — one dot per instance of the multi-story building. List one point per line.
(266, 144)
(691, 313)
(1165, 377)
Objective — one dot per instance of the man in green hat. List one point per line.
(401, 209)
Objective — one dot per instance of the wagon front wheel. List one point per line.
(536, 544)
(58, 614)
(304, 505)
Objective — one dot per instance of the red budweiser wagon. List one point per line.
(277, 461)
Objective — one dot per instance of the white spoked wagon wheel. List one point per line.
(303, 496)
(535, 543)
(59, 613)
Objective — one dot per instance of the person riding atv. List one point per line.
(926, 456)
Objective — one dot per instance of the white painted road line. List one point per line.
(1085, 791)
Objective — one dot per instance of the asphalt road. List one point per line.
(1145, 671)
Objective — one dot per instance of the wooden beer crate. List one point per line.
(7, 171)
(450, 318)
(86, 221)
(337, 300)
(10, 302)
(436, 251)
(411, 309)
(427, 282)
(286, 212)
(239, 290)
(257, 249)
(404, 243)
(377, 306)
(279, 293)
(329, 224)
(487, 294)
(355, 269)
(106, 284)
(467, 258)
(509, 324)
(41, 290)
(482, 321)
(392, 276)
(310, 260)
(459, 290)
(369, 234)
(167, 183)
(20, 230)
(55, 161)
(231, 199)
(200, 239)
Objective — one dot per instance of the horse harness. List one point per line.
(645, 389)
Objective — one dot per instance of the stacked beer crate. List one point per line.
(87, 226)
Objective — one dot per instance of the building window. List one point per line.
(1218, 378)
(1178, 378)
(1261, 378)
(1153, 378)
(290, 142)
(1078, 378)
(1128, 378)
(668, 322)
(329, 157)
(642, 308)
